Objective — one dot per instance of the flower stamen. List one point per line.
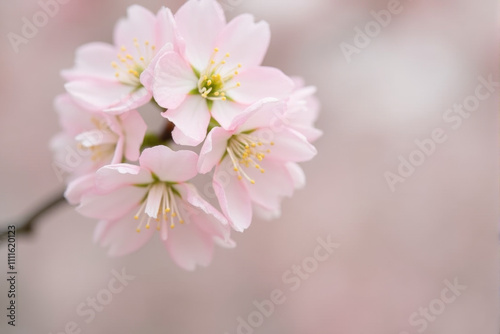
(245, 150)
(128, 69)
(213, 80)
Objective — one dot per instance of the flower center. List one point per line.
(101, 141)
(159, 204)
(245, 150)
(129, 69)
(213, 82)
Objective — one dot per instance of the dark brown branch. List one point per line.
(27, 225)
(166, 135)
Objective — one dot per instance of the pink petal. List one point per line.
(122, 238)
(137, 98)
(297, 174)
(73, 118)
(191, 121)
(310, 132)
(169, 165)
(96, 137)
(174, 79)
(229, 243)
(99, 230)
(107, 95)
(112, 205)
(224, 112)
(245, 40)
(213, 149)
(233, 196)
(166, 30)
(199, 23)
(148, 75)
(78, 187)
(189, 246)
(271, 186)
(93, 60)
(134, 129)
(261, 82)
(289, 145)
(111, 177)
(265, 213)
(203, 213)
(140, 24)
(153, 201)
(266, 113)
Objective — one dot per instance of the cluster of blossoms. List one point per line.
(253, 124)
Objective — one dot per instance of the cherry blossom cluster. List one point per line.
(243, 124)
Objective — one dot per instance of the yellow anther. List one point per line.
(223, 94)
(223, 98)
(236, 72)
(253, 144)
(138, 230)
(272, 143)
(172, 225)
(147, 226)
(167, 210)
(158, 227)
(205, 77)
(235, 169)
(146, 43)
(240, 177)
(212, 62)
(223, 62)
(114, 64)
(252, 181)
(228, 55)
(129, 56)
(174, 214)
(209, 82)
(141, 58)
(238, 84)
(216, 93)
(216, 50)
(181, 221)
(136, 217)
(117, 74)
(239, 65)
(123, 48)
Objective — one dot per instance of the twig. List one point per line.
(166, 135)
(27, 226)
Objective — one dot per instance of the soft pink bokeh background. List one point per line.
(396, 248)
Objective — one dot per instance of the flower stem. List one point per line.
(26, 226)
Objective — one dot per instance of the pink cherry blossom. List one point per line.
(132, 201)
(255, 162)
(91, 140)
(302, 110)
(218, 74)
(109, 77)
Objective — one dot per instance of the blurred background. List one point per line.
(397, 248)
